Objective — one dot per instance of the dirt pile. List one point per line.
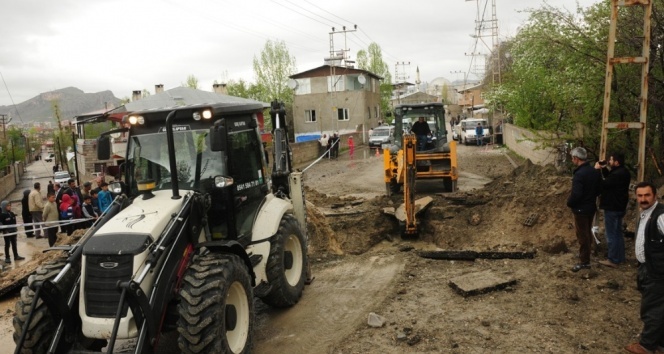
(16, 277)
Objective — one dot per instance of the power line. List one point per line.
(311, 12)
(309, 17)
(11, 98)
(322, 9)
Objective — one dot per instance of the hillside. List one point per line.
(72, 102)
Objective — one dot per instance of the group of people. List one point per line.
(63, 205)
(330, 145)
(610, 181)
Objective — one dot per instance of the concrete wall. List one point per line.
(526, 144)
(10, 178)
(309, 150)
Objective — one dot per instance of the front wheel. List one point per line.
(43, 325)
(216, 308)
(286, 265)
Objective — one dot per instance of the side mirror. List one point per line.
(218, 136)
(103, 148)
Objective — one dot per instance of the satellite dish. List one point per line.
(362, 80)
(292, 84)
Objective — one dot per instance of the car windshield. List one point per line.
(61, 175)
(149, 160)
(381, 132)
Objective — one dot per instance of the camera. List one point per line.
(602, 162)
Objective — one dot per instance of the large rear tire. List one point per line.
(43, 325)
(449, 184)
(286, 265)
(216, 308)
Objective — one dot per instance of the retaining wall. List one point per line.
(526, 143)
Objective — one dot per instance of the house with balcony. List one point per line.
(332, 98)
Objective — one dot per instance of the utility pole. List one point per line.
(489, 28)
(4, 121)
(337, 58)
(73, 139)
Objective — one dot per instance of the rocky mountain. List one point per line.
(71, 100)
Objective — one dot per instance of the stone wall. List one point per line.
(526, 143)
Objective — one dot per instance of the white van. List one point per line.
(382, 135)
(464, 132)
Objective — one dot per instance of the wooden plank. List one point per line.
(420, 205)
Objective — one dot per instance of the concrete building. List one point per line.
(472, 99)
(331, 99)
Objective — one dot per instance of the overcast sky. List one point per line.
(122, 45)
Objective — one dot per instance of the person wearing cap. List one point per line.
(583, 203)
(104, 197)
(87, 187)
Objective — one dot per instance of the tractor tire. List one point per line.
(286, 265)
(449, 184)
(216, 306)
(395, 187)
(40, 332)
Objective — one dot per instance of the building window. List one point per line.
(376, 112)
(309, 115)
(342, 113)
(369, 111)
(336, 83)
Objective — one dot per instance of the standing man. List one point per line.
(613, 200)
(582, 201)
(36, 206)
(650, 274)
(323, 144)
(421, 130)
(479, 134)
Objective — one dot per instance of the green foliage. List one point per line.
(93, 131)
(554, 76)
(372, 60)
(192, 82)
(243, 89)
(272, 70)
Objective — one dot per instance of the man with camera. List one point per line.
(614, 194)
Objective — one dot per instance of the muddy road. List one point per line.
(362, 265)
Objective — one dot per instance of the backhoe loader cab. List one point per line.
(434, 115)
(197, 235)
(404, 164)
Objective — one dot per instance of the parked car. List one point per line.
(49, 158)
(61, 177)
(382, 135)
(464, 132)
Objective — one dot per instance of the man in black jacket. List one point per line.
(582, 201)
(613, 200)
(649, 250)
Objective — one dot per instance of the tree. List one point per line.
(555, 73)
(192, 82)
(272, 69)
(372, 60)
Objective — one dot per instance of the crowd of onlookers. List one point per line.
(67, 208)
